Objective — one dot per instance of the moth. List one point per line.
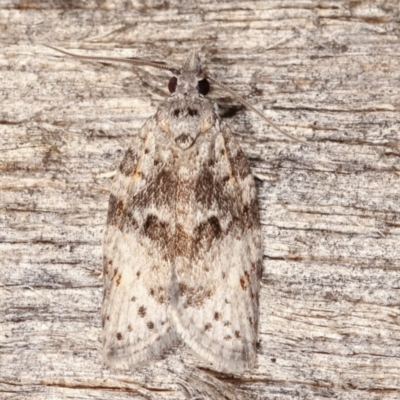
(182, 245)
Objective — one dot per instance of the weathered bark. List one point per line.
(325, 72)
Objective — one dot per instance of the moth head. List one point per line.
(191, 79)
(202, 87)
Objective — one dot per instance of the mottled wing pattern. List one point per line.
(137, 264)
(182, 247)
(216, 278)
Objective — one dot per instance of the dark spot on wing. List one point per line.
(245, 280)
(150, 325)
(215, 226)
(158, 231)
(142, 311)
(205, 233)
(129, 163)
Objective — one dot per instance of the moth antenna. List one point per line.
(133, 61)
(252, 108)
(176, 71)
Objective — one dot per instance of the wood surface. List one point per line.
(327, 72)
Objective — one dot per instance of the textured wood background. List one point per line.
(327, 72)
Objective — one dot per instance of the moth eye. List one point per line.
(172, 84)
(203, 87)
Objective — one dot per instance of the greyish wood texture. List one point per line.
(327, 72)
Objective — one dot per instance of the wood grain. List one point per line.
(327, 72)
